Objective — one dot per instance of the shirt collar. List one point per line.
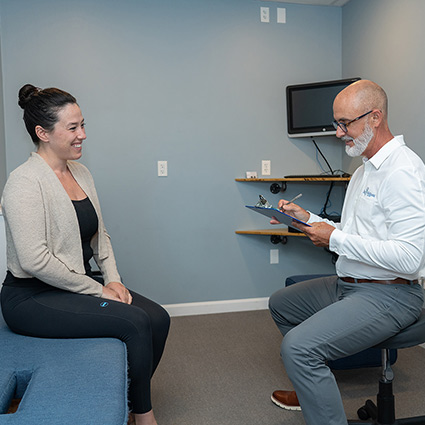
(386, 150)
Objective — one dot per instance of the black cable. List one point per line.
(324, 212)
(328, 195)
(323, 156)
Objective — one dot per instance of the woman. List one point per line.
(53, 228)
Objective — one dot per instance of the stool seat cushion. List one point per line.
(408, 337)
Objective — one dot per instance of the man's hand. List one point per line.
(319, 233)
(291, 209)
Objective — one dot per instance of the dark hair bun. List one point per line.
(25, 94)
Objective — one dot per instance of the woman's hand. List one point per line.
(116, 291)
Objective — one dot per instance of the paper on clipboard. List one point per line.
(278, 214)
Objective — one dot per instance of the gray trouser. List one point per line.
(326, 319)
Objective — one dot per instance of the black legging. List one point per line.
(32, 308)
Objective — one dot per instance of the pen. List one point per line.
(294, 199)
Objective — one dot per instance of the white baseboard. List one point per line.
(211, 307)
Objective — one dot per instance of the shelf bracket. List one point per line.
(275, 239)
(276, 188)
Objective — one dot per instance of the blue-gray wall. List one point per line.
(383, 40)
(3, 174)
(201, 85)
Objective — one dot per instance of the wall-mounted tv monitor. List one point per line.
(309, 107)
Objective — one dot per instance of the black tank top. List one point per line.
(89, 222)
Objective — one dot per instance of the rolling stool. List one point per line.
(383, 413)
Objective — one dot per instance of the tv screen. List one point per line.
(309, 107)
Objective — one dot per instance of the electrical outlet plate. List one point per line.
(265, 167)
(162, 169)
(265, 14)
(274, 256)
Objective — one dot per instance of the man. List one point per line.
(381, 244)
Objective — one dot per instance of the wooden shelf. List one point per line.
(279, 235)
(297, 179)
(276, 188)
(269, 232)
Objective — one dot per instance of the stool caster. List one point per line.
(369, 410)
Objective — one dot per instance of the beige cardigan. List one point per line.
(42, 230)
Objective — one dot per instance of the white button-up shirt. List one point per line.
(382, 231)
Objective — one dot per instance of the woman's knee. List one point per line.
(161, 320)
(158, 316)
(155, 321)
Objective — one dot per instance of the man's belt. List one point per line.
(398, 280)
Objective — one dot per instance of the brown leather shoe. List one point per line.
(286, 400)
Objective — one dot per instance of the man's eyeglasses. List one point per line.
(344, 126)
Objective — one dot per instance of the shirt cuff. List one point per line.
(314, 218)
(336, 240)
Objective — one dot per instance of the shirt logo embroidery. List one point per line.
(104, 304)
(367, 193)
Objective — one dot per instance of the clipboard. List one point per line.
(278, 214)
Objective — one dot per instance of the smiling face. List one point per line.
(357, 146)
(362, 109)
(64, 142)
(359, 133)
(360, 136)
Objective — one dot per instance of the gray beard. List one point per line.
(360, 144)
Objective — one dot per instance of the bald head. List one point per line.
(365, 95)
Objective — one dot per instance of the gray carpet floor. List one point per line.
(220, 369)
